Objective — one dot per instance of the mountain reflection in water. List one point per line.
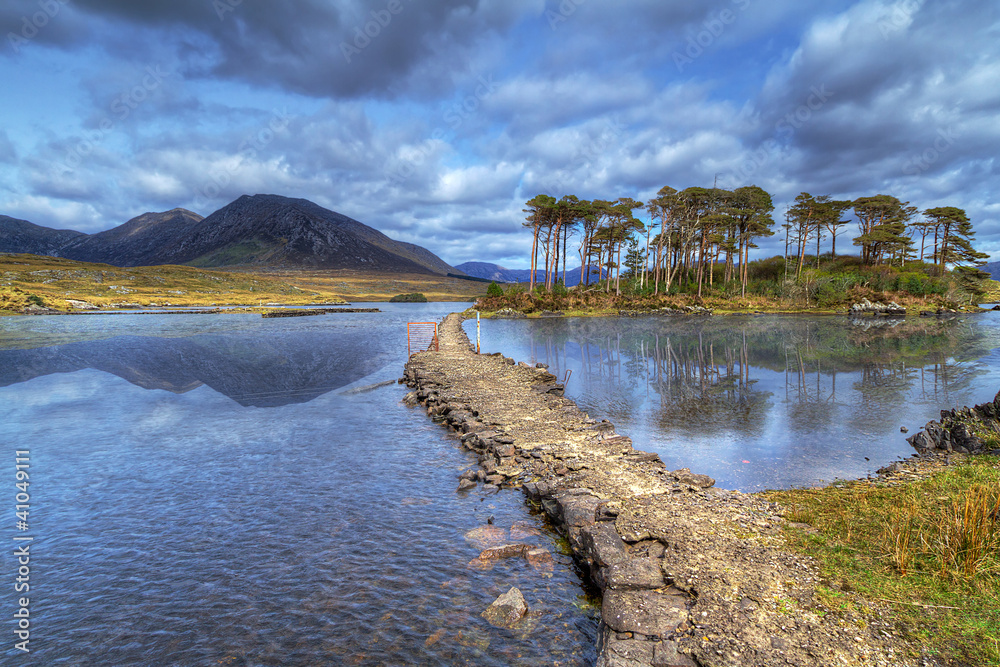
(764, 401)
(247, 497)
(263, 368)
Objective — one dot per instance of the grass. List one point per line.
(364, 286)
(596, 302)
(930, 548)
(51, 281)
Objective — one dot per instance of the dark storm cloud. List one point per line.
(892, 88)
(341, 49)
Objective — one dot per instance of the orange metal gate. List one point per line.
(421, 336)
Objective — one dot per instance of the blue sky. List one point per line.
(435, 121)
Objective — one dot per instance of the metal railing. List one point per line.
(421, 336)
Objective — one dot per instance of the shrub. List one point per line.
(416, 297)
(494, 290)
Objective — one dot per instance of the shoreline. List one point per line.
(690, 575)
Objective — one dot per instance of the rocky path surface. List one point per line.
(691, 575)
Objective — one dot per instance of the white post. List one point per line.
(477, 332)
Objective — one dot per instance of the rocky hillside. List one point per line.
(21, 236)
(266, 231)
(139, 242)
(274, 231)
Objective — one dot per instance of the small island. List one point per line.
(416, 297)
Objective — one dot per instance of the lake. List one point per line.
(233, 490)
(763, 401)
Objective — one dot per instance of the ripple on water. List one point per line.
(178, 525)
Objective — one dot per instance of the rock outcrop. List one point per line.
(877, 308)
(964, 430)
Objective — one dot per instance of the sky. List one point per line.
(434, 121)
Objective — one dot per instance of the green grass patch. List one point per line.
(929, 548)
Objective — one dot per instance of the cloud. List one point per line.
(445, 116)
(8, 153)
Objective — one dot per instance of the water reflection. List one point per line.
(766, 400)
(174, 523)
(261, 369)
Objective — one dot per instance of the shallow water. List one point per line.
(208, 489)
(764, 401)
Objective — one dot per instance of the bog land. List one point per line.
(53, 282)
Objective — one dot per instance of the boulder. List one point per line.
(634, 574)
(507, 610)
(685, 476)
(504, 551)
(643, 612)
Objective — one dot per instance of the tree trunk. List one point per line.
(534, 260)
(565, 241)
(618, 271)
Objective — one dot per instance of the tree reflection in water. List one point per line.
(803, 398)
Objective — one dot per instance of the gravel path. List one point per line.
(691, 575)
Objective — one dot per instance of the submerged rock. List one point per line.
(507, 610)
(485, 537)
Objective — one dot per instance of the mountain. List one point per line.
(270, 230)
(993, 268)
(253, 231)
(139, 242)
(504, 275)
(21, 236)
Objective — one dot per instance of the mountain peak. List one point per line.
(258, 230)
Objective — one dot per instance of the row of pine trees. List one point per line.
(689, 232)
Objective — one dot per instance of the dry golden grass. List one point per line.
(929, 545)
(363, 286)
(54, 280)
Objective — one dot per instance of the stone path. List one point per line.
(691, 575)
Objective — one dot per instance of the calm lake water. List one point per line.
(208, 490)
(763, 401)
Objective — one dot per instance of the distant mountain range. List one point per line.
(993, 268)
(504, 275)
(256, 231)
